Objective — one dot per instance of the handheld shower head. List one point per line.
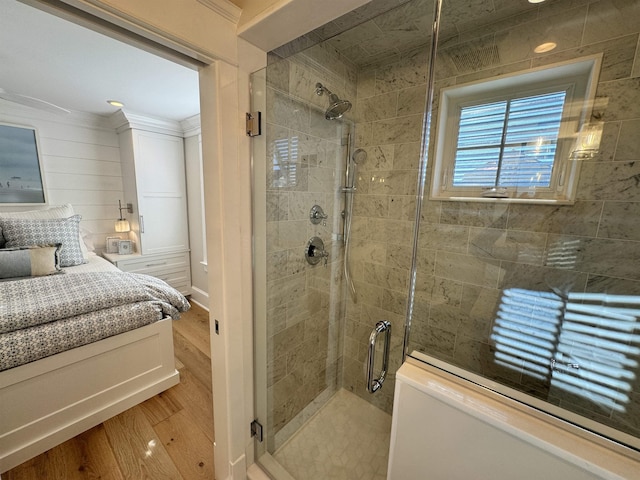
(359, 156)
(337, 107)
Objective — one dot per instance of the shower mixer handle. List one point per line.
(315, 252)
(317, 215)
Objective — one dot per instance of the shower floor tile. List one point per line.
(347, 439)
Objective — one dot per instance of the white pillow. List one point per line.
(58, 211)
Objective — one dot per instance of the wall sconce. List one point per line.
(588, 141)
(122, 224)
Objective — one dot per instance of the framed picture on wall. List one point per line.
(21, 177)
(113, 244)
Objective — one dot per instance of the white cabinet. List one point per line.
(154, 182)
(173, 268)
(153, 173)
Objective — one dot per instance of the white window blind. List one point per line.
(511, 143)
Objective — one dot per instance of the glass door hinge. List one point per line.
(254, 120)
(256, 430)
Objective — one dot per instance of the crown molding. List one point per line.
(124, 120)
(224, 8)
(191, 126)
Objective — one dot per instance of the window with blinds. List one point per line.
(511, 143)
(509, 138)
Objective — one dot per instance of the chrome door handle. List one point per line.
(375, 384)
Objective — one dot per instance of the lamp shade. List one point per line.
(122, 225)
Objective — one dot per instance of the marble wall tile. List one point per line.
(322, 179)
(636, 63)
(398, 130)
(285, 290)
(407, 72)
(363, 250)
(406, 156)
(366, 86)
(622, 99)
(451, 238)
(468, 269)
(611, 18)
(402, 207)
(277, 266)
(475, 214)
(278, 75)
(617, 60)
(396, 302)
(371, 206)
(393, 182)
(513, 246)
(488, 73)
(607, 257)
(286, 111)
(300, 204)
(390, 231)
(612, 285)
(379, 157)
(608, 142)
(378, 107)
(628, 147)
(618, 221)
(412, 100)
(387, 277)
(277, 206)
(400, 256)
(286, 235)
(581, 218)
(618, 181)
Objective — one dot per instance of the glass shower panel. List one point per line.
(542, 298)
(312, 333)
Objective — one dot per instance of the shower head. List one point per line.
(337, 107)
(359, 156)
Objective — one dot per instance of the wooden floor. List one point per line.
(170, 436)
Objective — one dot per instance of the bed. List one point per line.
(69, 361)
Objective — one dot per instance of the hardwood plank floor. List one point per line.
(169, 436)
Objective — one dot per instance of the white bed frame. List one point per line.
(47, 402)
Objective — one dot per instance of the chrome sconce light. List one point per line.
(122, 224)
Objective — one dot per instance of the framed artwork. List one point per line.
(125, 247)
(113, 244)
(21, 178)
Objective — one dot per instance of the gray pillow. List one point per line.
(30, 261)
(22, 232)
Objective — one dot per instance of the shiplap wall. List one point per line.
(81, 162)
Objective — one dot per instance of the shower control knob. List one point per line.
(315, 251)
(317, 215)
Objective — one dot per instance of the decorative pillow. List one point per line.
(30, 261)
(59, 211)
(21, 232)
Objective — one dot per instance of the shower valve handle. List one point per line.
(317, 215)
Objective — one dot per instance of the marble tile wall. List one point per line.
(470, 252)
(305, 304)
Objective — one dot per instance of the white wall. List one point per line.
(195, 204)
(81, 162)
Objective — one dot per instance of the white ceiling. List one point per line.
(52, 59)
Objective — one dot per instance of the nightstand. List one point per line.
(173, 268)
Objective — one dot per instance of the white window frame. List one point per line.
(579, 78)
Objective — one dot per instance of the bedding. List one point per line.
(46, 315)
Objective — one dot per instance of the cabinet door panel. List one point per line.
(165, 224)
(160, 163)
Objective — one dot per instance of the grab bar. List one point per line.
(375, 384)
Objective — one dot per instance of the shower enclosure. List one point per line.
(528, 287)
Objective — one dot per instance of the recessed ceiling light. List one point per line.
(545, 47)
(115, 103)
(536, 1)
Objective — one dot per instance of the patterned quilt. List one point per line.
(47, 315)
